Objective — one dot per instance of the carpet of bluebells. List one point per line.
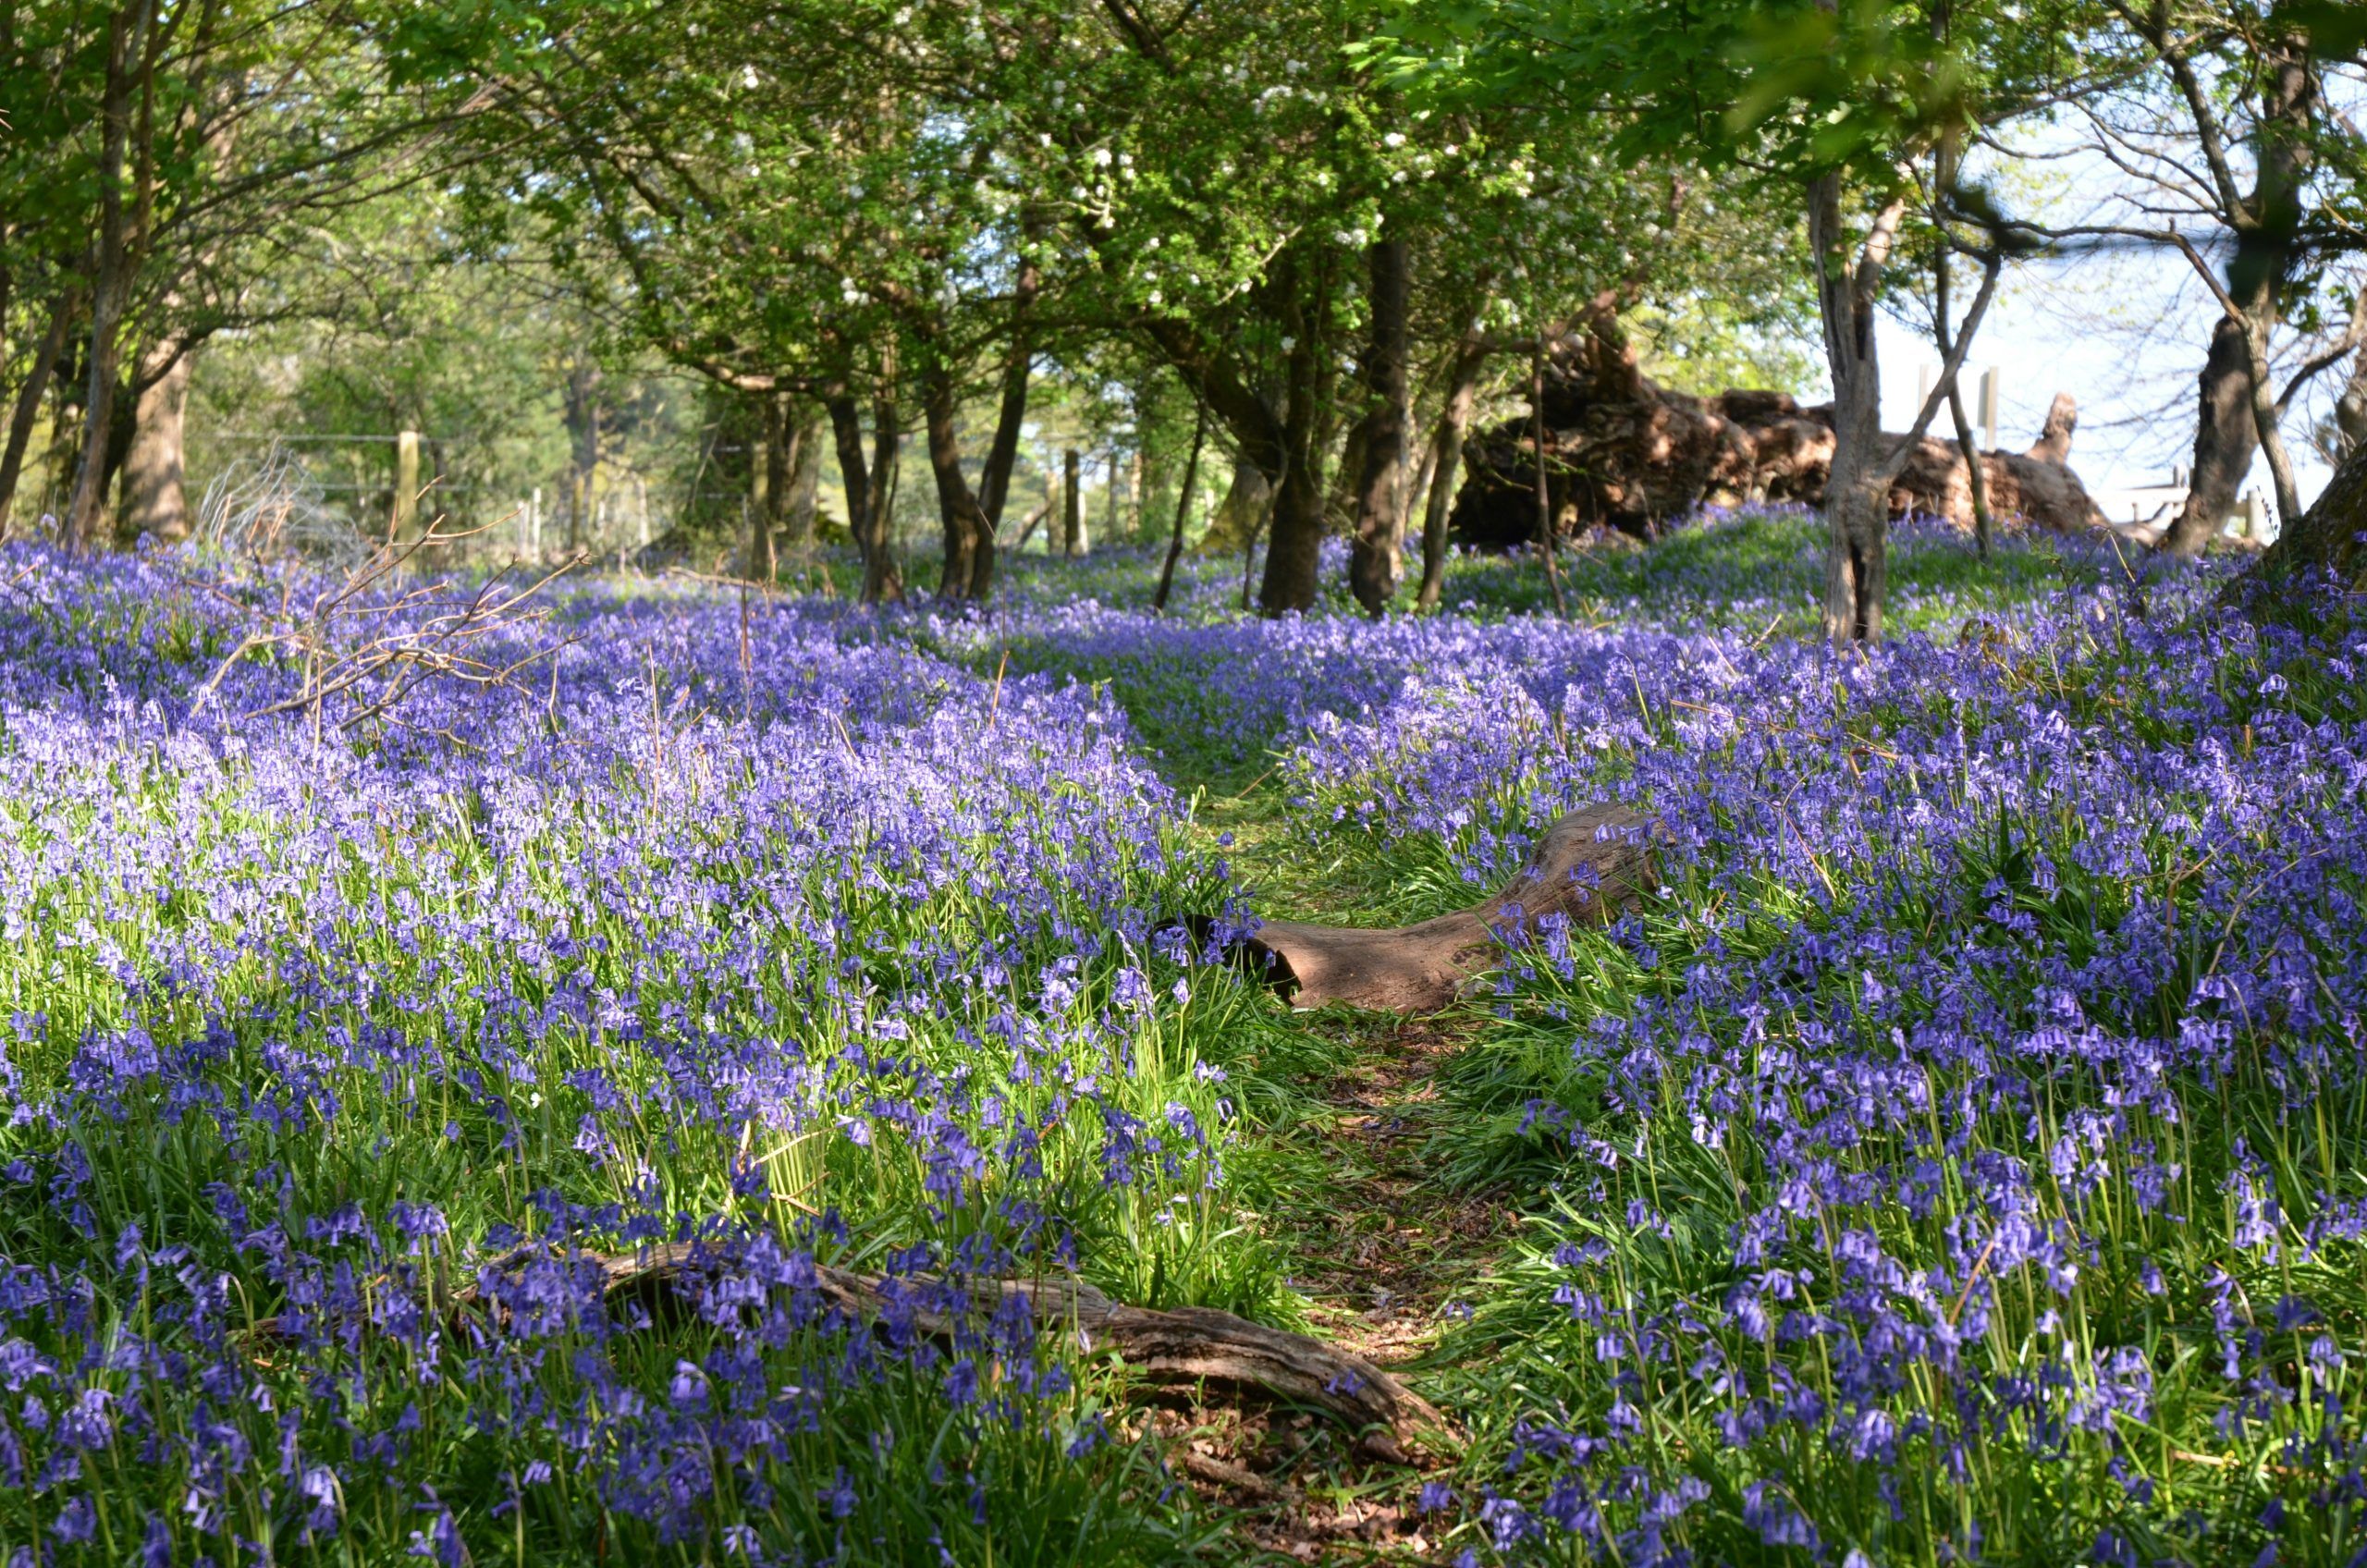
(1957, 1159)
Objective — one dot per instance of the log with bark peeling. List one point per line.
(1589, 864)
(1184, 1347)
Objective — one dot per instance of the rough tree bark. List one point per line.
(155, 503)
(1588, 865)
(1857, 500)
(1374, 560)
(886, 461)
(1238, 511)
(2230, 422)
(1548, 547)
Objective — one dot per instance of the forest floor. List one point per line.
(1381, 1245)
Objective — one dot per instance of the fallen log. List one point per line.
(1589, 864)
(1183, 1347)
(1624, 452)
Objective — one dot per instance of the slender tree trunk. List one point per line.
(1447, 463)
(804, 480)
(110, 285)
(1073, 541)
(1976, 472)
(883, 581)
(969, 536)
(27, 412)
(582, 411)
(846, 432)
(1182, 508)
(2264, 411)
(770, 482)
(1548, 548)
(1002, 453)
(1375, 561)
(154, 501)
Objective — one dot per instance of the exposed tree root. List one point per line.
(1589, 864)
(1188, 1347)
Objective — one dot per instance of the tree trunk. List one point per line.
(2325, 539)
(969, 536)
(1447, 463)
(1546, 549)
(1183, 509)
(2232, 417)
(883, 575)
(804, 479)
(1976, 472)
(1295, 536)
(110, 285)
(583, 418)
(27, 412)
(769, 474)
(1857, 495)
(2225, 438)
(154, 502)
(881, 582)
(1375, 561)
(1002, 454)
(2349, 413)
(1238, 514)
(1073, 541)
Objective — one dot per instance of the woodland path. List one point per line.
(1380, 1246)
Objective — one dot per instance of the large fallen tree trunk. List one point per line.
(1589, 864)
(1184, 1347)
(1622, 451)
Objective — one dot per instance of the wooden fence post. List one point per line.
(406, 485)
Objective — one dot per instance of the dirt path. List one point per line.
(1383, 1251)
